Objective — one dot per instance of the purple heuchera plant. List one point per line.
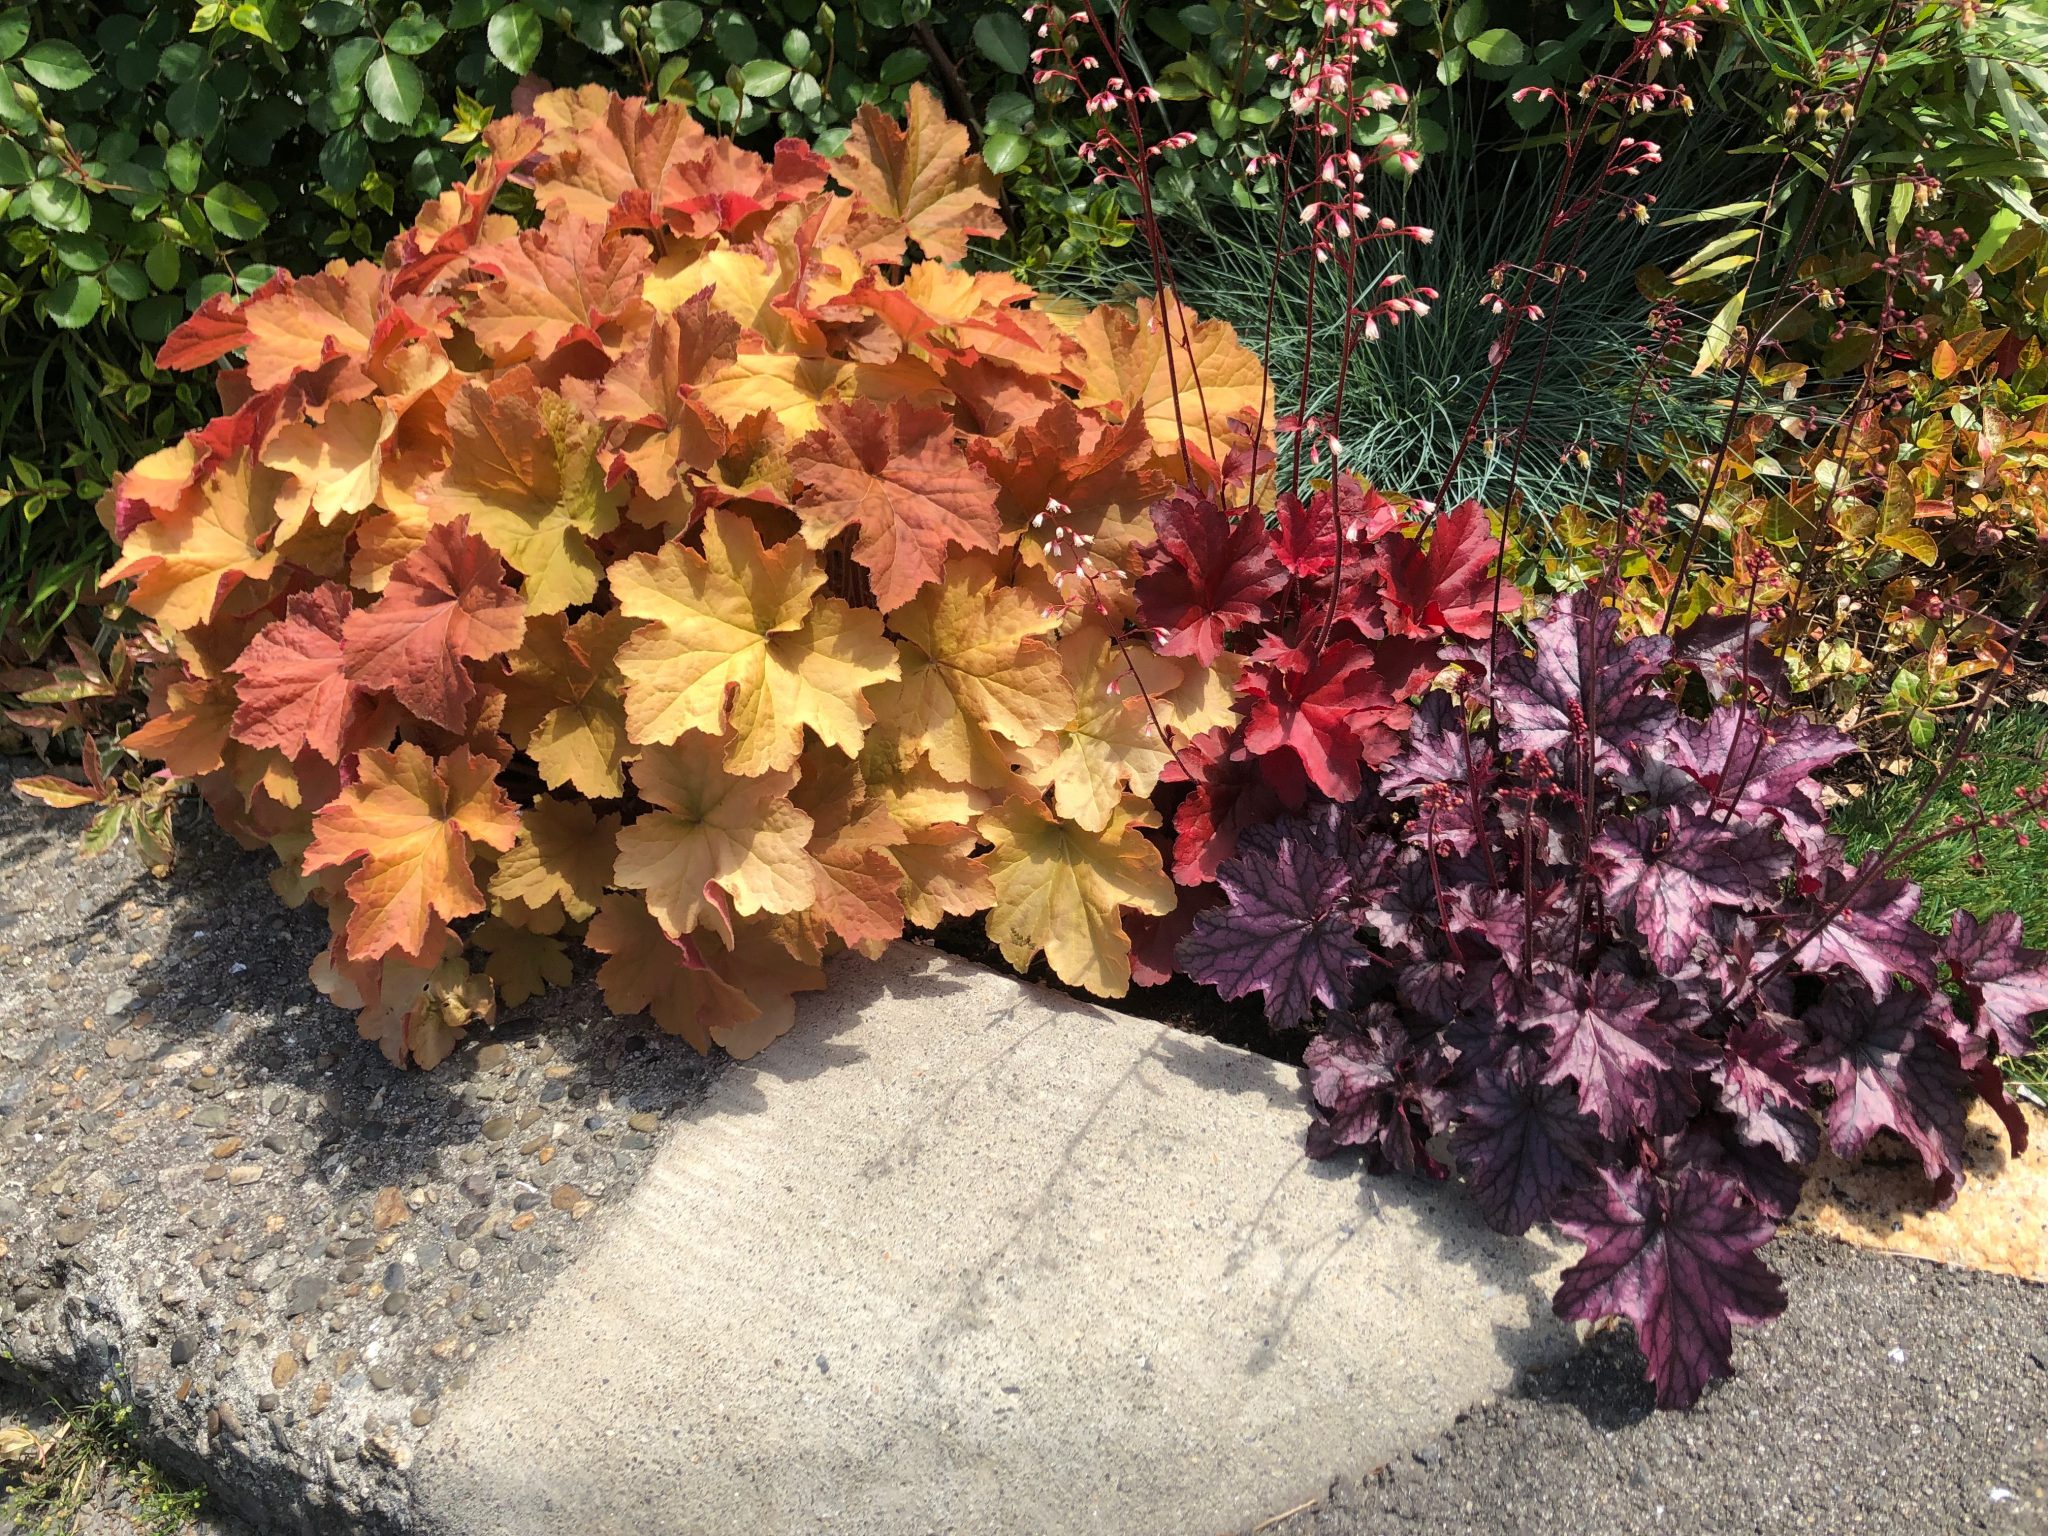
(1607, 947)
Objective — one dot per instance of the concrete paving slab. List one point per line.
(960, 1254)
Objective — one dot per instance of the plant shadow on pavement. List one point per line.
(238, 1063)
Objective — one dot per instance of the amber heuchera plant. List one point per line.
(711, 573)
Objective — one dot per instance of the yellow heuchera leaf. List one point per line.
(720, 844)
(523, 963)
(917, 181)
(336, 465)
(1109, 743)
(976, 674)
(740, 640)
(410, 821)
(565, 701)
(1060, 887)
(740, 998)
(185, 561)
(564, 855)
(1179, 373)
(941, 876)
(523, 469)
(415, 1010)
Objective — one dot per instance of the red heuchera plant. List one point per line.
(1576, 912)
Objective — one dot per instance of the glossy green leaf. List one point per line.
(1499, 48)
(16, 168)
(674, 24)
(13, 31)
(763, 77)
(393, 84)
(193, 110)
(514, 37)
(999, 38)
(233, 212)
(57, 65)
(1004, 152)
(58, 205)
(413, 34)
(74, 301)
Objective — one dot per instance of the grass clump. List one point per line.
(1980, 876)
(52, 1472)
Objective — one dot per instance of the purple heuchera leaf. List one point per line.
(1677, 1258)
(1439, 751)
(1378, 1088)
(1890, 1070)
(1764, 1091)
(1733, 657)
(1874, 934)
(1286, 928)
(1752, 769)
(1522, 1142)
(1667, 870)
(1605, 1036)
(2003, 983)
(1539, 699)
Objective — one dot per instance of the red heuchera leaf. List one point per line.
(1211, 573)
(1677, 1258)
(1304, 540)
(1890, 1072)
(295, 695)
(728, 190)
(1605, 1036)
(1288, 930)
(2003, 983)
(446, 604)
(1335, 713)
(1231, 793)
(1446, 586)
(1523, 1143)
(1376, 1088)
(213, 330)
(897, 473)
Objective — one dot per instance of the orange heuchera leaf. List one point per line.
(446, 604)
(720, 845)
(301, 323)
(740, 640)
(336, 464)
(567, 280)
(1061, 888)
(190, 731)
(414, 1010)
(411, 820)
(295, 694)
(1183, 376)
(600, 148)
(859, 886)
(653, 390)
(898, 472)
(739, 997)
(523, 963)
(917, 181)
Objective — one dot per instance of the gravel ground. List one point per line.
(1893, 1396)
(218, 1200)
